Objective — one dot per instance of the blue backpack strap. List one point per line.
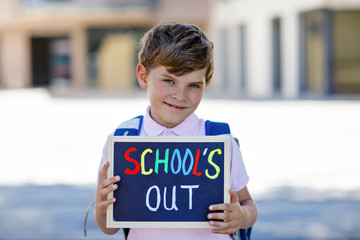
(130, 127)
(216, 128)
(245, 234)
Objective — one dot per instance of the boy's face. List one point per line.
(172, 98)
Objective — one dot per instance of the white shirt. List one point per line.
(191, 126)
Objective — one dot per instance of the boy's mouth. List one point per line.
(174, 106)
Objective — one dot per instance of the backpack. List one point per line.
(132, 127)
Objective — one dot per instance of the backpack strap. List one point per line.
(219, 128)
(216, 128)
(130, 127)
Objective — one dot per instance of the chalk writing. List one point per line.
(179, 162)
(173, 199)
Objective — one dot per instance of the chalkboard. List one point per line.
(167, 181)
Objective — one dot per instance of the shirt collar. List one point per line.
(185, 128)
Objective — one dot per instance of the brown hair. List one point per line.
(181, 48)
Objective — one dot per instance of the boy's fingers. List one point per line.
(220, 207)
(225, 216)
(104, 192)
(218, 216)
(234, 198)
(109, 181)
(218, 224)
(103, 171)
(105, 204)
(222, 227)
(223, 230)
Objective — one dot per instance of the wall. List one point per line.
(20, 21)
(257, 17)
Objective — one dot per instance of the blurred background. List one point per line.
(287, 79)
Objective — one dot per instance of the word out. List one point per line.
(156, 190)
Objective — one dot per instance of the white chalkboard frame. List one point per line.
(111, 223)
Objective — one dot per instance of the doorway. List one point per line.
(316, 53)
(50, 61)
(347, 52)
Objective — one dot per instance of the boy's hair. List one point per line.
(181, 48)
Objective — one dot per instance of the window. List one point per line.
(276, 54)
(243, 58)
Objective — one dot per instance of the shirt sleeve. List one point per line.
(104, 157)
(238, 175)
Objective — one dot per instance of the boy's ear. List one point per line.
(208, 83)
(141, 76)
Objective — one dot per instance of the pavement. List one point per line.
(304, 154)
(49, 212)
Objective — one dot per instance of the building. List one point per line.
(287, 48)
(81, 43)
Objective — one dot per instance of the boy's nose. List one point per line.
(179, 94)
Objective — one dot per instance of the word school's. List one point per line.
(177, 163)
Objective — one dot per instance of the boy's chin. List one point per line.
(171, 123)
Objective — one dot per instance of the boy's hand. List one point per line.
(104, 187)
(232, 216)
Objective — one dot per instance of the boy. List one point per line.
(176, 66)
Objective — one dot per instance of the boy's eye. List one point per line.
(169, 81)
(194, 86)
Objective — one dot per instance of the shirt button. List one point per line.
(167, 133)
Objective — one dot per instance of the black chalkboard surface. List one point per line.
(167, 181)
